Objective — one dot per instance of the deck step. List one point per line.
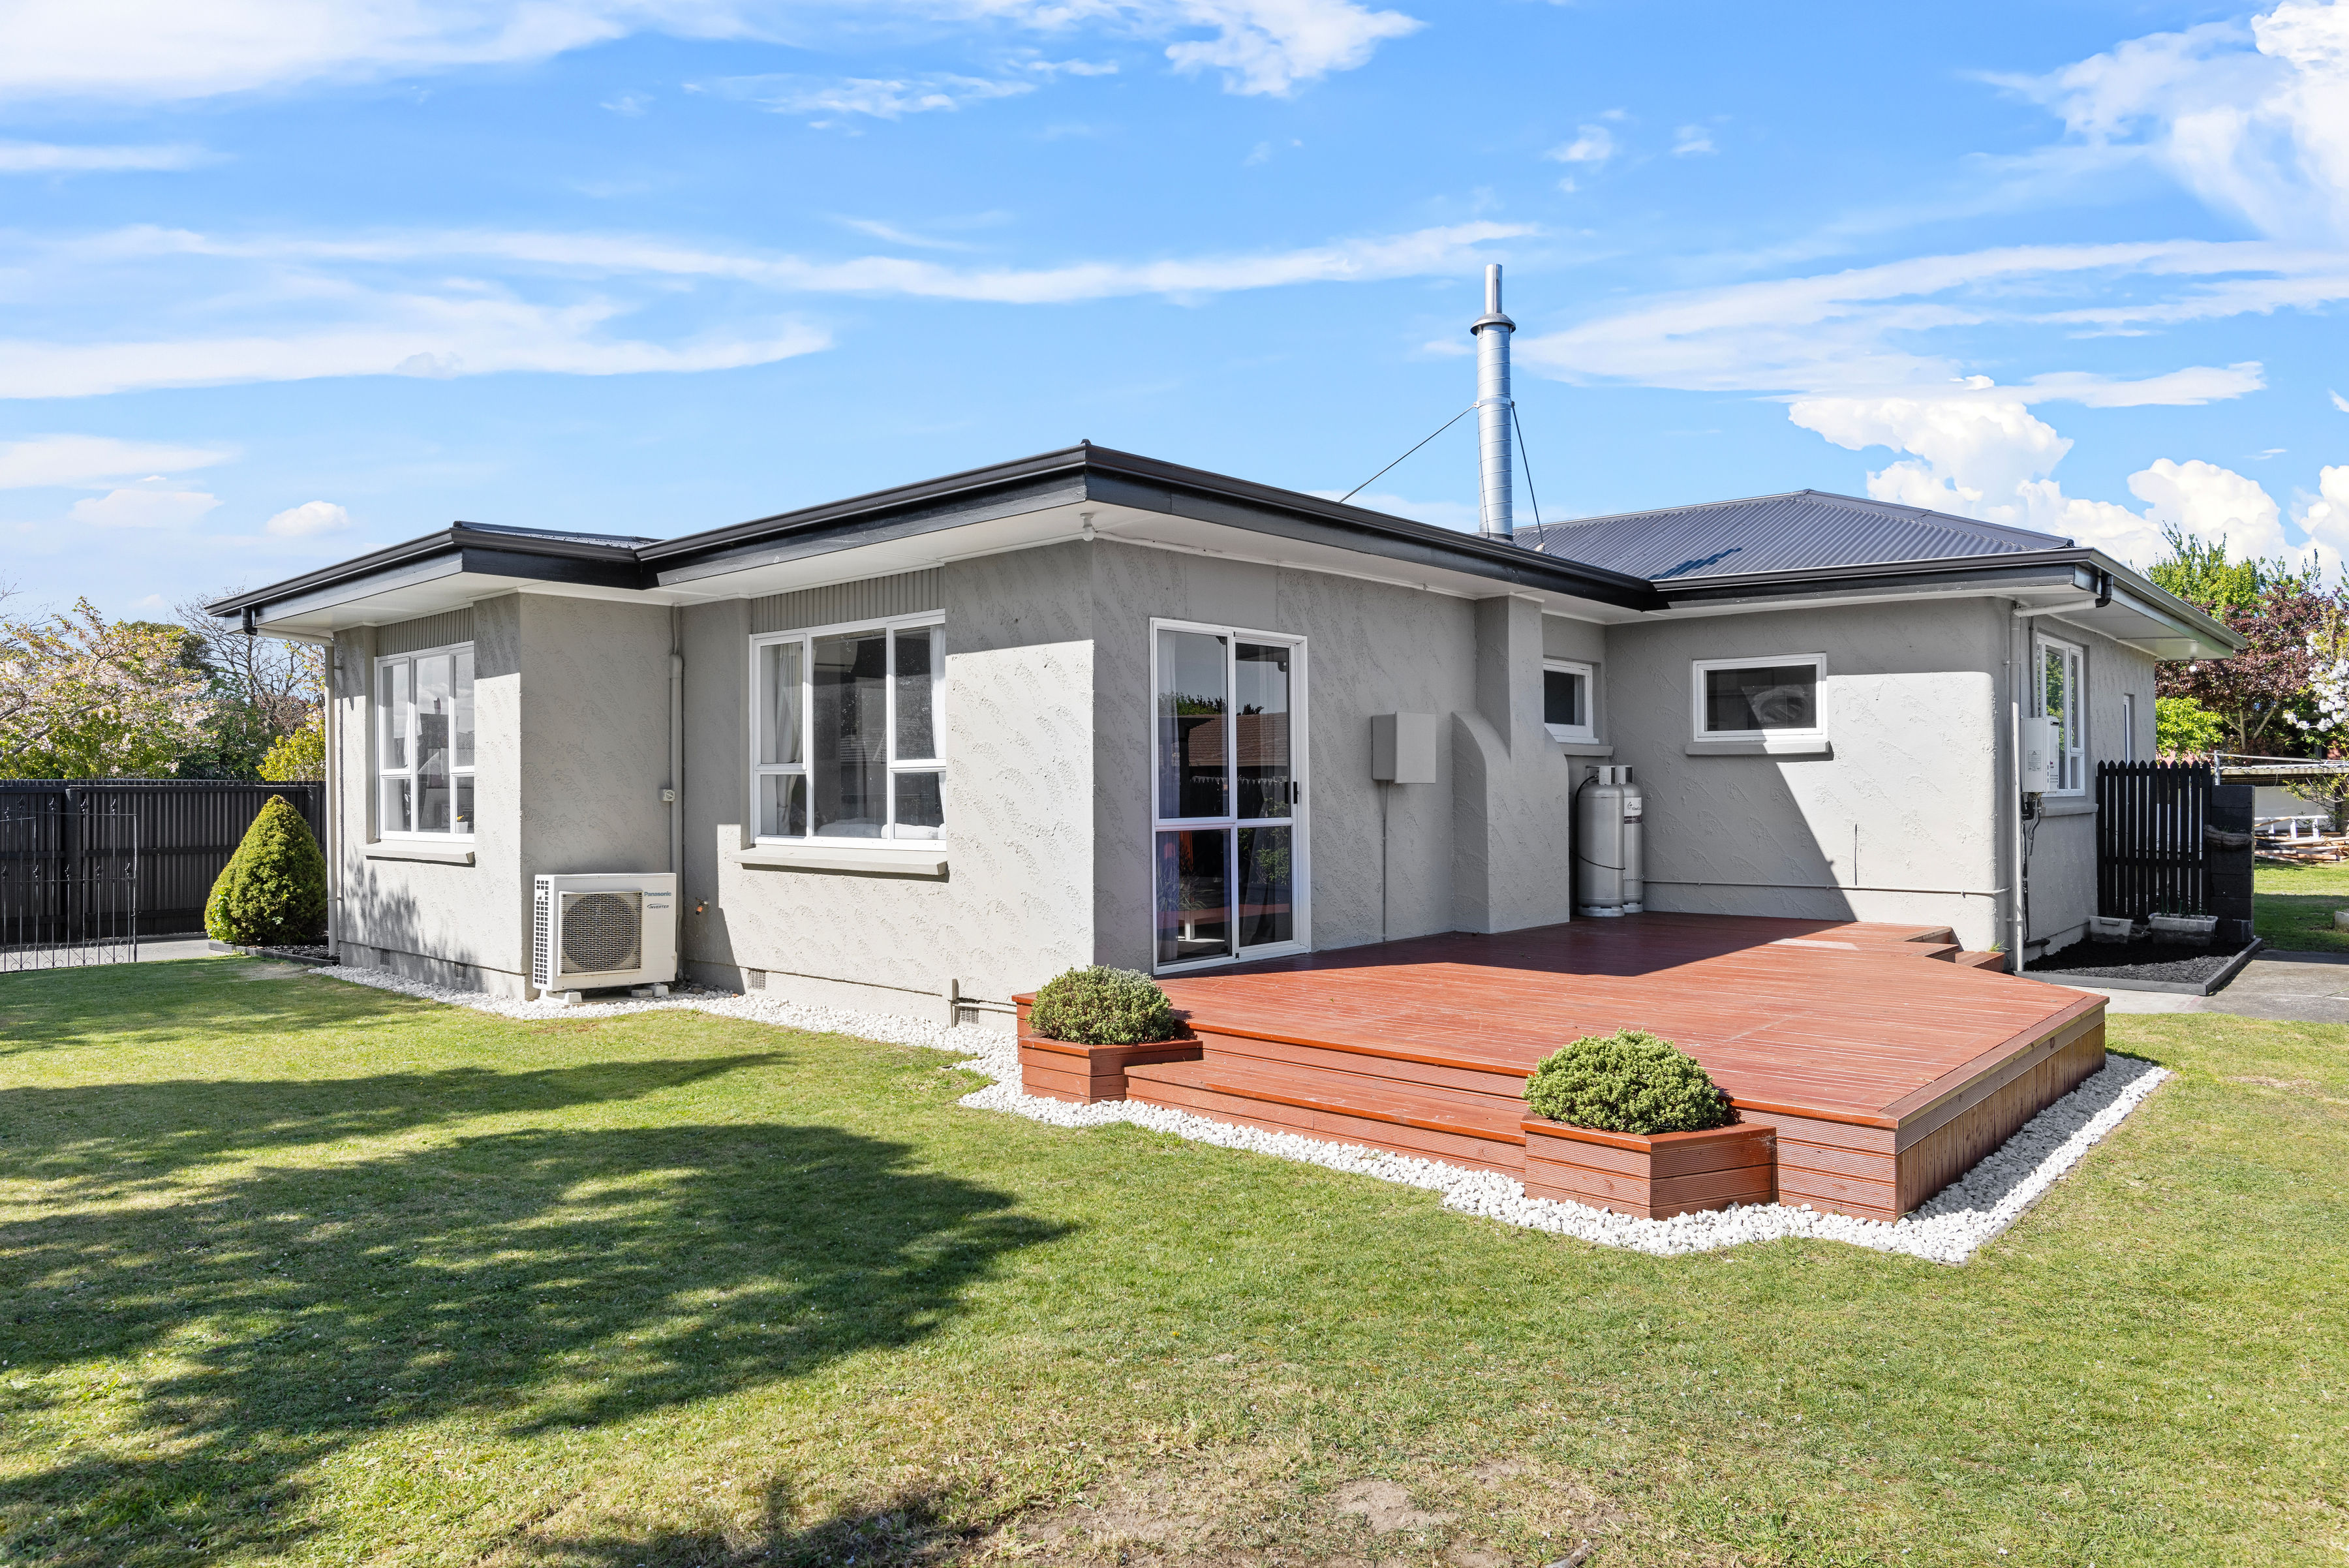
(1403, 1118)
(1991, 960)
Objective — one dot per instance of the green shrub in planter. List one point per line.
(273, 891)
(1102, 1006)
(1627, 1082)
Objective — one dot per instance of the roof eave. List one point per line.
(502, 546)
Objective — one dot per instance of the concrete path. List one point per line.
(2307, 988)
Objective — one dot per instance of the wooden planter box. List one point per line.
(1059, 1070)
(1653, 1178)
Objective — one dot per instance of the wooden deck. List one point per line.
(1885, 1063)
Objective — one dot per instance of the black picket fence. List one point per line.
(2172, 840)
(184, 831)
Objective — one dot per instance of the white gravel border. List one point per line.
(1947, 1229)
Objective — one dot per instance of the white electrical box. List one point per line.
(1402, 748)
(591, 931)
(2042, 754)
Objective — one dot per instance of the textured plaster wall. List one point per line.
(1015, 907)
(571, 749)
(1898, 821)
(2063, 882)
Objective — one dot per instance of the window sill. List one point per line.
(924, 861)
(430, 854)
(1809, 746)
(2066, 806)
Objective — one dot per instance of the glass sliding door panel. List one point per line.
(779, 702)
(917, 731)
(850, 764)
(1266, 900)
(1195, 908)
(1260, 726)
(921, 813)
(464, 803)
(1192, 712)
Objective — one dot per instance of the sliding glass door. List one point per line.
(1227, 795)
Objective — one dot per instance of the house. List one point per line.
(1092, 707)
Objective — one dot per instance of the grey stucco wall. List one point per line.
(571, 749)
(1016, 905)
(1897, 822)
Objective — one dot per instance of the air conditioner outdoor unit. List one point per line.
(598, 929)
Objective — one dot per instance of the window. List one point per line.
(1225, 802)
(2129, 726)
(1770, 699)
(844, 732)
(2058, 696)
(1566, 700)
(424, 742)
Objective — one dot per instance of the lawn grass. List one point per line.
(2291, 907)
(295, 1272)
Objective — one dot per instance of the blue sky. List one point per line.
(284, 282)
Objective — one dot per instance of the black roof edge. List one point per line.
(455, 537)
(1955, 568)
(1562, 573)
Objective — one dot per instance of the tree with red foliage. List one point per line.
(2256, 690)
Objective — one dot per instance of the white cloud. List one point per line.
(75, 461)
(307, 521)
(46, 157)
(1592, 144)
(833, 99)
(2341, 403)
(2212, 504)
(2253, 120)
(167, 51)
(390, 304)
(632, 105)
(152, 503)
(2325, 517)
(1874, 326)
(1691, 140)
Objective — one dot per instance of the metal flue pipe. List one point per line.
(1495, 454)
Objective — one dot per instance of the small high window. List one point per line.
(1566, 700)
(1772, 699)
(424, 742)
(844, 733)
(2060, 695)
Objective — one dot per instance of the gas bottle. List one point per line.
(1609, 869)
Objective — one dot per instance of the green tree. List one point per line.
(298, 756)
(2184, 728)
(264, 689)
(2200, 573)
(273, 891)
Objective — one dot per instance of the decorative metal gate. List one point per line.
(68, 883)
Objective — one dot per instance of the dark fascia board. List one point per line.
(491, 551)
(2076, 568)
(1126, 479)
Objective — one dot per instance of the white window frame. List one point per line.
(2129, 726)
(377, 741)
(1301, 879)
(889, 626)
(2073, 748)
(1588, 729)
(1700, 668)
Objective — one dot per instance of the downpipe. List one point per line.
(674, 796)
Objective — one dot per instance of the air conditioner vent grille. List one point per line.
(602, 932)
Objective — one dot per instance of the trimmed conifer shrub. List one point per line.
(1628, 1082)
(1103, 1006)
(273, 891)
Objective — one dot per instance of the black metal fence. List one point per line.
(68, 883)
(2171, 840)
(186, 829)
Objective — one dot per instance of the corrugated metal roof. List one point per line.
(1773, 534)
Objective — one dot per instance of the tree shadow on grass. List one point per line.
(907, 1527)
(96, 1142)
(150, 1003)
(536, 1279)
